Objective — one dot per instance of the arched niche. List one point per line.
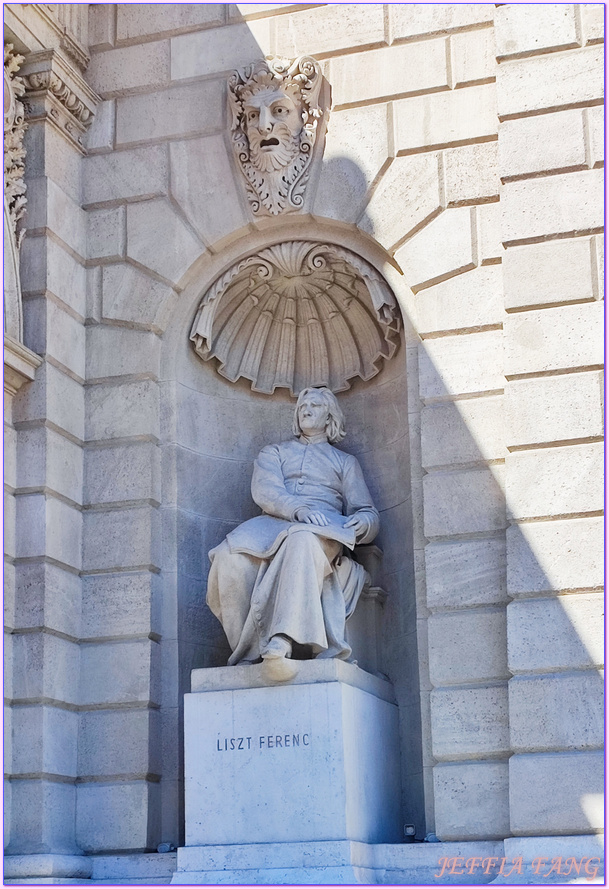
(212, 430)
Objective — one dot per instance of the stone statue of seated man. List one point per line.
(282, 577)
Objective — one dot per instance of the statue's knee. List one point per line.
(221, 554)
(305, 544)
(302, 538)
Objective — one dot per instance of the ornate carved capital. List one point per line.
(56, 92)
(14, 152)
(277, 108)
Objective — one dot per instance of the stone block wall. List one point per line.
(463, 158)
(550, 163)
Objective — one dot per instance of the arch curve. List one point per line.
(214, 264)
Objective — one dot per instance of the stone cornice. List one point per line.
(20, 365)
(68, 41)
(56, 92)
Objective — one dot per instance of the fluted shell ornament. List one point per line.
(298, 314)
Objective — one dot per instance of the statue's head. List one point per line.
(275, 109)
(334, 419)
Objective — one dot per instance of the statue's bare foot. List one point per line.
(278, 669)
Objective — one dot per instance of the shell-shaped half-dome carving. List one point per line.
(298, 314)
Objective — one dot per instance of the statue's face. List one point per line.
(273, 124)
(313, 414)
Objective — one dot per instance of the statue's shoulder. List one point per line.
(349, 463)
(341, 457)
(281, 448)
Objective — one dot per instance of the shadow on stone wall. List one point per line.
(446, 639)
(457, 542)
(471, 622)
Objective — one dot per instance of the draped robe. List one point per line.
(275, 575)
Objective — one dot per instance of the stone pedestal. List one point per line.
(299, 764)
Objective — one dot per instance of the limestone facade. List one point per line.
(462, 165)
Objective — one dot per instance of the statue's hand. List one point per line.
(304, 514)
(359, 525)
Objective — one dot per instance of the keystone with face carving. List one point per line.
(276, 108)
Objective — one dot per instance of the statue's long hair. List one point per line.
(335, 427)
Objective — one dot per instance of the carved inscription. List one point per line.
(263, 742)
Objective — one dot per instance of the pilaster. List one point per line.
(48, 466)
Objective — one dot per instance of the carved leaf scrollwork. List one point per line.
(48, 80)
(14, 152)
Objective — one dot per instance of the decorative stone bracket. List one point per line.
(56, 92)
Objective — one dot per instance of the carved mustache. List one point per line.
(283, 145)
(280, 133)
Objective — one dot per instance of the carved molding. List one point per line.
(276, 107)
(298, 314)
(70, 22)
(20, 365)
(56, 92)
(14, 152)
(46, 80)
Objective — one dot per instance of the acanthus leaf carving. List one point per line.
(276, 106)
(14, 152)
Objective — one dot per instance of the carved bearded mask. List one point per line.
(273, 124)
(275, 106)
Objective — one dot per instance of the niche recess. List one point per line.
(267, 322)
